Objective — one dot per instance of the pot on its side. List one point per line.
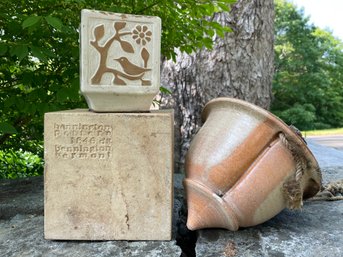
(244, 166)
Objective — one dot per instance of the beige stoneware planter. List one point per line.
(120, 61)
(244, 166)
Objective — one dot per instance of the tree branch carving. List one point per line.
(141, 34)
(103, 50)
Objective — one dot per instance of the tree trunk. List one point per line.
(240, 66)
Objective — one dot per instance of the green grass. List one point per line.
(323, 132)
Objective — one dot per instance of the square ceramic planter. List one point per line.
(120, 61)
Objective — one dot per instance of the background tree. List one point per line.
(39, 51)
(308, 85)
(240, 65)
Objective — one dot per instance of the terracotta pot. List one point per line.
(244, 166)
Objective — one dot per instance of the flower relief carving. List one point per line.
(141, 34)
(132, 64)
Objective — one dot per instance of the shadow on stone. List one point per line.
(185, 238)
(21, 196)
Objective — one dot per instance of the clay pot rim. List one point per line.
(219, 103)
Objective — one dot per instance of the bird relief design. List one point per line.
(124, 60)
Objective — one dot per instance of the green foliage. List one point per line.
(19, 164)
(7, 128)
(302, 115)
(39, 51)
(308, 79)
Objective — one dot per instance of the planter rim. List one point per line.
(227, 102)
(119, 90)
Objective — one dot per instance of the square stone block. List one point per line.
(108, 176)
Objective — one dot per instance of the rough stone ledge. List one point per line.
(23, 236)
(21, 228)
(316, 230)
(22, 196)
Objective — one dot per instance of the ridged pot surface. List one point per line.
(244, 166)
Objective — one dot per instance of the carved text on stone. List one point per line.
(83, 141)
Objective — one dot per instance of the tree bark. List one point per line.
(240, 65)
